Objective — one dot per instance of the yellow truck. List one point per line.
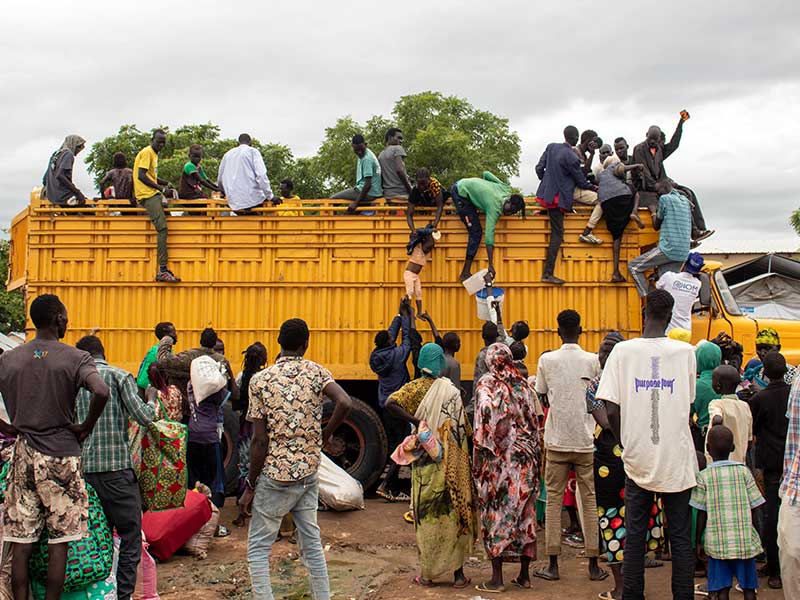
(342, 273)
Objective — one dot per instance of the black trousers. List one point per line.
(556, 239)
(119, 495)
(772, 485)
(638, 503)
(201, 462)
(468, 214)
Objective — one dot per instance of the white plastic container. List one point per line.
(484, 299)
(476, 283)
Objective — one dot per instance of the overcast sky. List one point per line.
(283, 71)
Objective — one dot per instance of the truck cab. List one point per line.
(717, 311)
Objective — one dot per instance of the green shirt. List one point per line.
(143, 379)
(190, 168)
(368, 166)
(488, 194)
(106, 449)
(727, 491)
(675, 235)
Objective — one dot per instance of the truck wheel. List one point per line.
(359, 445)
(230, 454)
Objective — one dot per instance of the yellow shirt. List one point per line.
(146, 159)
(289, 202)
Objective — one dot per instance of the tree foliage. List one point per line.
(12, 304)
(443, 133)
(795, 220)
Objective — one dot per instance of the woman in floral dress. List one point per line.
(506, 466)
(441, 491)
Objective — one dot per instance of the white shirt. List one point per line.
(564, 375)
(685, 289)
(653, 382)
(243, 176)
(737, 417)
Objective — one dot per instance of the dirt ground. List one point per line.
(372, 556)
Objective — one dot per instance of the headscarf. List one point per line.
(768, 336)
(681, 335)
(503, 379)
(431, 360)
(709, 357)
(614, 337)
(71, 143)
(610, 161)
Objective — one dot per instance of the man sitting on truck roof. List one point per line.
(242, 177)
(121, 179)
(674, 221)
(560, 172)
(652, 153)
(57, 181)
(149, 191)
(394, 179)
(369, 182)
(193, 177)
(494, 198)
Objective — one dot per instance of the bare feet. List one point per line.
(638, 220)
(618, 278)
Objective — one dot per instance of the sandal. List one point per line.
(606, 596)
(603, 574)
(385, 494)
(418, 580)
(408, 517)
(516, 583)
(402, 497)
(545, 574)
(651, 563)
(484, 587)
(460, 586)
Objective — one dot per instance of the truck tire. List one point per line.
(230, 454)
(359, 445)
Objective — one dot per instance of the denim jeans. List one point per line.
(274, 499)
(638, 504)
(468, 214)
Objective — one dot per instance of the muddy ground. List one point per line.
(371, 555)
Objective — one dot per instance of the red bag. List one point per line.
(168, 530)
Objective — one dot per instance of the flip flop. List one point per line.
(461, 586)
(386, 495)
(408, 516)
(606, 596)
(482, 587)
(651, 563)
(603, 575)
(402, 497)
(520, 585)
(700, 589)
(542, 574)
(421, 582)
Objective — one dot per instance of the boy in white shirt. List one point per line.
(728, 410)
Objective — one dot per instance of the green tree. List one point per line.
(12, 304)
(454, 139)
(128, 140)
(795, 220)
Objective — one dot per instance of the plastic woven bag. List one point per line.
(337, 489)
(162, 472)
(88, 560)
(198, 544)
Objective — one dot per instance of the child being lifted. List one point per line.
(420, 244)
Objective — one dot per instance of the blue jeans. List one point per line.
(274, 499)
(468, 214)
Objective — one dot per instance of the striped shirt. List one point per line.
(790, 486)
(106, 449)
(676, 226)
(727, 491)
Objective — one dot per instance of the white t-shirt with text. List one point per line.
(653, 382)
(564, 376)
(685, 289)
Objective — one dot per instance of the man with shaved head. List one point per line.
(652, 153)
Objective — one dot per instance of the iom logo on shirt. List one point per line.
(39, 354)
(684, 286)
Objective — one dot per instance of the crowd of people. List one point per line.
(655, 448)
(616, 186)
(670, 450)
